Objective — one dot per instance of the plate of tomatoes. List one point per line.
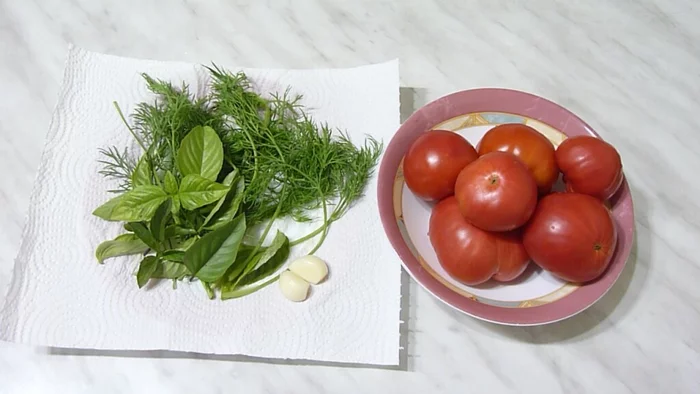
(506, 206)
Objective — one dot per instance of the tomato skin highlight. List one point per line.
(528, 145)
(590, 166)
(433, 162)
(470, 254)
(571, 235)
(496, 192)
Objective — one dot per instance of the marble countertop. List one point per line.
(631, 69)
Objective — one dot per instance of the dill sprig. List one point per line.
(164, 124)
(117, 165)
(291, 164)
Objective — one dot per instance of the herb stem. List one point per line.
(133, 133)
(138, 140)
(250, 258)
(326, 224)
(308, 236)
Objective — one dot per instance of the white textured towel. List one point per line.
(60, 296)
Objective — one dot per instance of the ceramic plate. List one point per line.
(534, 298)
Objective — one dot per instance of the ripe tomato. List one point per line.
(496, 192)
(571, 235)
(466, 252)
(512, 256)
(470, 254)
(590, 166)
(433, 161)
(531, 147)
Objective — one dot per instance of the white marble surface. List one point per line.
(631, 68)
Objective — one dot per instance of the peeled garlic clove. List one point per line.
(293, 287)
(311, 268)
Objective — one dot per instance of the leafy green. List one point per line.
(210, 257)
(196, 191)
(245, 256)
(267, 262)
(208, 289)
(201, 153)
(147, 268)
(123, 245)
(170, 270)
(228, 181)
(139, 204)
(159, 220)
(228, 207)
(144, 234)
(174, 255)
(142, 173)
(186, 244)
(170, 183)
(215, 165)
(105, 210)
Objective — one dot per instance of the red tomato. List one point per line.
(496, 192)
(470, 254)
(433, 162)
(466, 252)
(590, 166)
(531, 147)
(571, 235)
(512, 256)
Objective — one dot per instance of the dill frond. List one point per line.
(117, 165)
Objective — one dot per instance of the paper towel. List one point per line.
(61, 297)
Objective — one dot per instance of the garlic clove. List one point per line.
(293, 287)
(310, 268)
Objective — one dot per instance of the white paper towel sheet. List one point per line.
(61, 297)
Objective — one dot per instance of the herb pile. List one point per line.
(212, 168)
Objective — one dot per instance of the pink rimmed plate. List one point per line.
(536, 297)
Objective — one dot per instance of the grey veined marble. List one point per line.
(630, 68)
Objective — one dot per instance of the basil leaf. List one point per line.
(159, 221)
(139, 204)
(210, 257)
(268, 263)
(264, 265)
(228, 181)
(170, 183)
(201, 153)
(196, 191)
(123, 245)
(142, 173)
(147, 268)
(175, 208)
(235, 270)
(105, 210)
(174, 230)
(177, 256)
(145, 235)
(207, 288)
(229, 208)
(170, 270)
(185, 245)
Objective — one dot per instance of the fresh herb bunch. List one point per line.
(213, 167)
